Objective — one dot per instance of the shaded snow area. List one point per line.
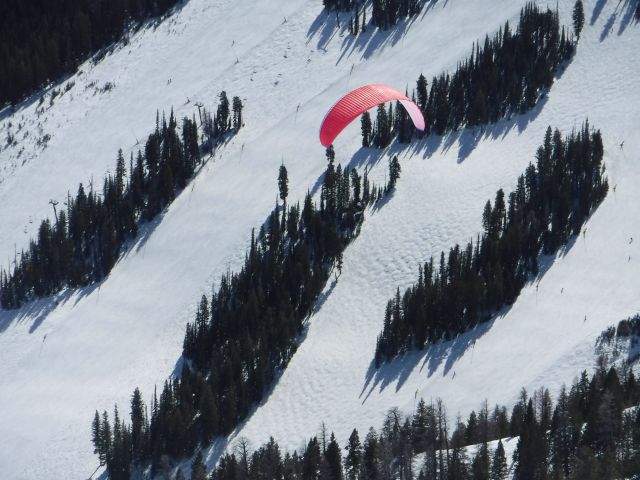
(62, 359)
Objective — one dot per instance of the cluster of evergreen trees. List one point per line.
(384, 13)
(42, 40)
(247, 331)
(340, 5)
(625, 329)
(590, 433)
(505, 76)
(84, 243)
(549, 205)
(389, 123)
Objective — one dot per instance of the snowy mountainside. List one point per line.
(60, 360)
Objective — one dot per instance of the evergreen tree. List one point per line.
(394, 172)
(138, 425)
(97, 438)
(222, 114)
(283, 183)
(353, 459)
(578, 18)
(105, 435)
(366, 129)
(423, 94)
(333, 460)
(499, 467)
(370, 457)
(312, 460)
(237, 113)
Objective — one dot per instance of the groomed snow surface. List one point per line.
(62, 359)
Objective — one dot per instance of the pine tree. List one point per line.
(578, 18)
(237, 113)
(480, 465)
(312, 460)
(394, 172)
(353, 459)
(366, 129)
(222, 114)
(499, 467)
(137, 425)
(423, 94)
(283, 183)
(105, 435)
(333, 459)
(96, 438)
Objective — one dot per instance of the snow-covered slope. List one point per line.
(61, 360)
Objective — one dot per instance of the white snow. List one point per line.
(59, 361)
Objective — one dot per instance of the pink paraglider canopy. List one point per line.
(355, 103)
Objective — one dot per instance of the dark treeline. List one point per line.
(42, 40)
(504, 76)
(384, 13)
(247, 331)
(590, 433)
(551, 201)
(627, 331)
(83, 244)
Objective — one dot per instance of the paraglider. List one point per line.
(355, 103)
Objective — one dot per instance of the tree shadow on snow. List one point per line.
(466, 139)
(446, 353)
(608, 26)
(629, 8)
(626, 11)
(37, 310)
(597, 10)
(329, 24)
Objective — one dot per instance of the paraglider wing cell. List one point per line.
(355, 103)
